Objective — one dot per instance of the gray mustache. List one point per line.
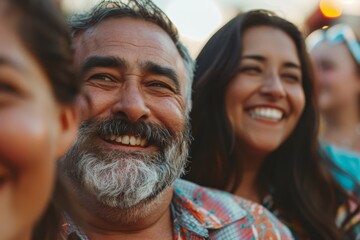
(155, 134)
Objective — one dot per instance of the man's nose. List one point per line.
(130, 103)
(273, 87)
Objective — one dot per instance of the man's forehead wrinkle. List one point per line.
(97, 44)
(98, 33)
(114, 43)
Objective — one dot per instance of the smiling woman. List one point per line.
(254, 125)
(38, 88)
(265, 99)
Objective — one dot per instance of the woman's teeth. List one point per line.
(267, 113)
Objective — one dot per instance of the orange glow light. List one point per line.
(330, 8)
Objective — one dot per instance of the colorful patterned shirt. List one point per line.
(201, 213)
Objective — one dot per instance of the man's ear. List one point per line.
(68, 129)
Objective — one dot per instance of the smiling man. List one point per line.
(133, 141)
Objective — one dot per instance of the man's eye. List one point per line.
(162, 87)
(159, 85)
(100, 77)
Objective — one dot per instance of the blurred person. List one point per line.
(133, 141)
(254, 126)
(335, 52)
(38, 117)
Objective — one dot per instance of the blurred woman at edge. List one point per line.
(38, 89)
(335, 52)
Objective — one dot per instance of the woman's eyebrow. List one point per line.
(260, 58)
(254, 57)
(292, 65)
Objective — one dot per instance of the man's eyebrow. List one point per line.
(263, 59)
(100, 61)
(157, 69)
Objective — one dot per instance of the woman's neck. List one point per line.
(249, 186)
(341, 127)
(342, 119)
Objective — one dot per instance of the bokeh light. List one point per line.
(331, 8)
(195, 19)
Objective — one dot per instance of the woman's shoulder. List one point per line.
(348, 166)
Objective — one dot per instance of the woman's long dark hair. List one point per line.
(303, 185)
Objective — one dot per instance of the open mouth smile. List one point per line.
(128, 140)
(267, 113)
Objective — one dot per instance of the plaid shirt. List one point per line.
(203, 213)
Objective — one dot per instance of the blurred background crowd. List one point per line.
(204, 17)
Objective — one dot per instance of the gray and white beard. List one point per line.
(121, 179)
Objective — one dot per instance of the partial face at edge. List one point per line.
(266, 99)
(337, 76)
(30, 133)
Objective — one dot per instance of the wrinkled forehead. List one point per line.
(128, 36)
(132, 39)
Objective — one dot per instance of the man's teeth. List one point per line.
(269, 113)
(128, 140)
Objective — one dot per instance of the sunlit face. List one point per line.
(29, 134)
(338, 80)
(133, 140)
(265, 99)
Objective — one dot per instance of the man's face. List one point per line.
(134, 135)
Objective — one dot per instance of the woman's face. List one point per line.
(32, 136)
(339, 82)
(265, 99)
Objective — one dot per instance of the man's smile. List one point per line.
(127, 140)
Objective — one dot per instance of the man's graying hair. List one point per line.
(139, 9)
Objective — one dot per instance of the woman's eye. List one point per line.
(250, 69)
(292, 77)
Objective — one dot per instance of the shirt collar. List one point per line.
(71, 231)
(200, 209)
